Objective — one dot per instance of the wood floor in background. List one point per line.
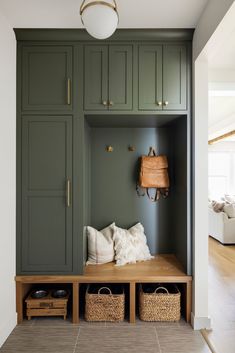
(222, 296)
(54, 335)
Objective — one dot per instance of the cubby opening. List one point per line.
(50, 288)
(110, 178)
(116, 288)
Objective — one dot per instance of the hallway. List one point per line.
(222, 296)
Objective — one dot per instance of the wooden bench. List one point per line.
(161, 269)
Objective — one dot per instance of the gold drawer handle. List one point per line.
(68, 91)
(159, 103)
(111, 103)
(105, 103)
(46, 305)
(68, 193)
(166, 103)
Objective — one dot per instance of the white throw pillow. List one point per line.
(100, 245)
(229, 209)
(130, 245)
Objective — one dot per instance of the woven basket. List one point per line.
(104, 307)
(160, 306)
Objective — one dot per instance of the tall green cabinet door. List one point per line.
(174, 77)
(46, 240)
(47, 78)
(120, 77)
(150, 77)
(96, 77)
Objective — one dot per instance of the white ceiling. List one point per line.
(133, 13)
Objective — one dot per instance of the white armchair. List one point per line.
(221, 227)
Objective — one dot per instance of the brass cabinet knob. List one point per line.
(166, 103)
(111, 103)
(159, 103)
(105, 103)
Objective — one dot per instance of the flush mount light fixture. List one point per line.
(100, 18)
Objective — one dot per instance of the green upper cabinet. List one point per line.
(47, 78)
(150, 77)
(108, 77)
(174, 77)
(163, 77)
(96, 77)
(46, 236)
(120, 77)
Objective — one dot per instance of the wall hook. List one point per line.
(131, 148)
(109, 148)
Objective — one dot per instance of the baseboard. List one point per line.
(7, 328)
(200, 323)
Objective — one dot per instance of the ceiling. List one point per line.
(133, 13)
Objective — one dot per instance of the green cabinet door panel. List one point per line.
(47, 77)
(96, 77)
(46, 219)
(150, 77)
(120, 77)
(174, 77)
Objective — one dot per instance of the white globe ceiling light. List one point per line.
(100, 18)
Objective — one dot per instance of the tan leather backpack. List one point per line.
(154, 174)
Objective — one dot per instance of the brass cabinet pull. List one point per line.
(159, 103)
(111, 103)
(104, 103)
(68, 192)
(68, 91)
(166, 103)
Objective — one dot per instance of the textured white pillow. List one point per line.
(229, 209)
(130, 245)
(100, 245)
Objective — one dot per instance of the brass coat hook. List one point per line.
(109, 148)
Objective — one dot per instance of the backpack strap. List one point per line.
(164, 192)
(152, 152)
(139, 190)
(154, 198)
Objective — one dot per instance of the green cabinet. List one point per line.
(47, 239)
(47, 77)
(150, 77)
(174, 77)
(108, 77)
(162, 77)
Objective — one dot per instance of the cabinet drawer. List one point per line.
(46, 312)
(46, 304)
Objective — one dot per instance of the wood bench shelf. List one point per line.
(161, 269)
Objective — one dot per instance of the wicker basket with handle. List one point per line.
(104, 307)
(157, 306)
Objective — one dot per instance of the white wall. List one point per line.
(7, 178)
(208, 22)
(213, 27)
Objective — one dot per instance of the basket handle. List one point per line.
(156, 290)
(108, 289)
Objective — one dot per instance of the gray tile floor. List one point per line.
(54, 335)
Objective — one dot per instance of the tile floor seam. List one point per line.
(76, 343)
(159, 346)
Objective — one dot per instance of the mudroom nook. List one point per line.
(86, 113)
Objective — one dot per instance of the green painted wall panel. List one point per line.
(113, 183)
